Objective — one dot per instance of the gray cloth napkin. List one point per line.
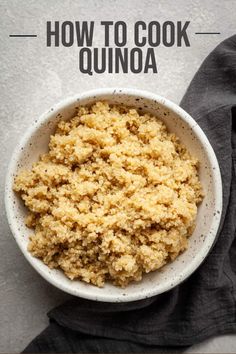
(205, 304)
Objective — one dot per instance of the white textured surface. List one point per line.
(34, 77)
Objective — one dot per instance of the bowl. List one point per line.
(35, 141)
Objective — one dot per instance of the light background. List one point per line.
(33, 77)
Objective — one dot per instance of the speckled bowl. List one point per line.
(35, 142)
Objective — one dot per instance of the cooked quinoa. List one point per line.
(115, 196)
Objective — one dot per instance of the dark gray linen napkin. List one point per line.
(205, 304)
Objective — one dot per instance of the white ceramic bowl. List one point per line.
(35, 142)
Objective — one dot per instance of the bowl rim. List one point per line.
(216, 176)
